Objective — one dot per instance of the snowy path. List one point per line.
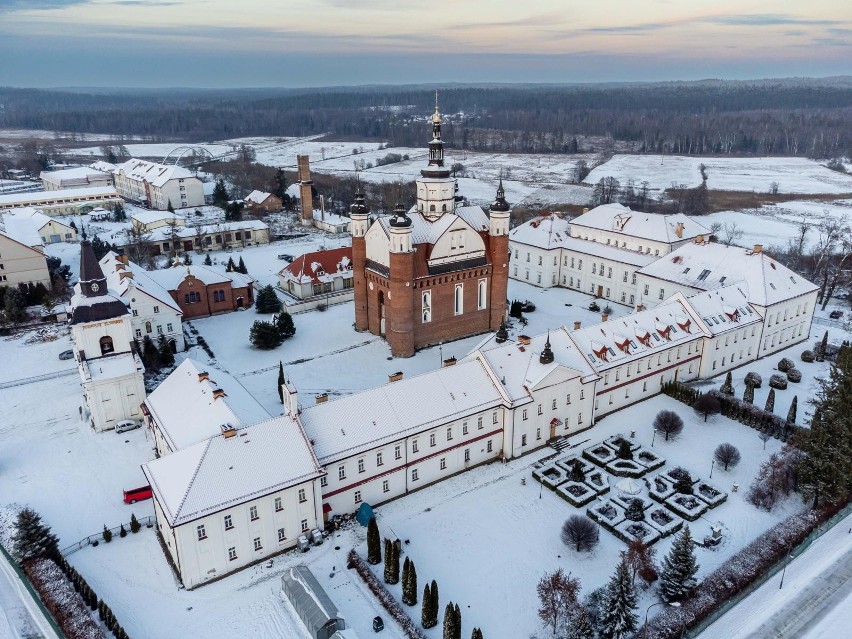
(38, 378)
(817, 586)
(20, 616)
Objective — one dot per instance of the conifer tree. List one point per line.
(264, 335)
(164, 350)
(748, 394)
(406, 567)
(624, 451)
(825, 472)
(576, 473)
(122, 532)
(389, 562)
(635, 510)
(618, 618)
(823, 345)
(207, 260)
(426, 609)
(374, 543)
(791, 414)
(457, 625)
(285, 325)
(728, 386)
(580, 626)
(241, 267)
(396, 549)
(267, 301)
(770, 401)
(107, 534)
(476, 634)
(449, 621)
(677, 577)
(281, 381)
(32, 537)
(135, 526)
(220, 193)
(412, 585)
(150, 354)
(230, 267)
(434, 607)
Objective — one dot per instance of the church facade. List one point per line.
(436, 272)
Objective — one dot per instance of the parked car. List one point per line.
(316, 537)
(832, 315)
(126, 425)
(137, 494)
(66, 355)
(303, 544)
(285, 256)
(378, 624)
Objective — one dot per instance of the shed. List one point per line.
(312, 604)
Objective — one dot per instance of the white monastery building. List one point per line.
(156, 185)
(76, 178)
(109, 367)
(21, 263)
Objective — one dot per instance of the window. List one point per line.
(385, 486)
(414, 475)
(282, 536)
(646, 289)
(426, 304)
(579, 418)
(479, 422)
(582, 394)
(357, 496)
(553, 405)
(135, 313)
(397, 453)
(414, 446)
(278, 505)
(523, 440)
(253, 513)
(341, 472)
(443, 463)
(568, 398)
(450, 434)
(202, 534)
(257, 544)
(156, 309)
(304, 525)
(138, 332)
(524, 414)
(459, 304)
(361, 465)
(159, 329)
(538, 433)
(232, 553)
(379, 461)
(481, 296)
(488, 446)
(302, 497)
(464, 428)
(493, 417)
(106, 344)
(432, 439)
(169, 328)
(324, 481)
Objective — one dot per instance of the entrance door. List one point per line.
(240, 302)
(553, 424)
(381, 313)
(600, 291)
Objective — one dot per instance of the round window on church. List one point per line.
(95, 287)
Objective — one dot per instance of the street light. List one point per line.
(653, 438)
(673, 604)
(784, 571)
(712, 464)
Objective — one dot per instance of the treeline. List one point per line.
(807, 118)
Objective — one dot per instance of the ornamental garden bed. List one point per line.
(567, 464)
(710, 494)
(689, 507)
(598, 482)
(550, 475)
(575, 493)
(615, 441)
(628, 530)
(664, 521)
(624, 501)
(648, 459)
(673, 474)
(660, 488)
(599, 454)
(626, 468)
(606, 514)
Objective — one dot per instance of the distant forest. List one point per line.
(810, 118)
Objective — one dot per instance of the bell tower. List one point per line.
(435, 188)
(498, 254)
(360, 216)
(400, 334)
(306, 189)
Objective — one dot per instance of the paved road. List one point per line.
(20, 616)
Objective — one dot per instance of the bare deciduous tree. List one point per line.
(707, 405)
(580, 532)
(731, 233)
(727, 455)
(669, 423)
(557, 595)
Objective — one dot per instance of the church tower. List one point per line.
(400, 334)
(498, 255)
(109, 367)
(306, 189)
(359, 213)
(435, 188)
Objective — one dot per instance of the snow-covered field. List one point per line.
(793, 175)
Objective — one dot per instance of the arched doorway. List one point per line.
(173, 345)
(381, 313)
(240, 302)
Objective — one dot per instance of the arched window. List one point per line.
(221, 295)
(481, 294)
(215, 296)
(106, 345)
(444, 208)
(147, 327)
(186, 298)
(427, 306)
(459, 306)
(431, 208)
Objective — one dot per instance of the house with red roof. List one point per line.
(318, 273)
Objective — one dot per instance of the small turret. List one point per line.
(500, 204)
(499, 213)
(400, 218)
(359, 213)
(546, 356)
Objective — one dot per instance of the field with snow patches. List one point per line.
(793, 175)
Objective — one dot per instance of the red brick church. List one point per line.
(435, 273)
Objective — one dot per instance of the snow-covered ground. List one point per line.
(793, 175)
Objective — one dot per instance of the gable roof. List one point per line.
(424, 231)
(320, 266)
(34, 216)
(221, 472)
(156, 174)
(257, 197)
(547, 231)
(123, 287)
(23, 230)
(617, 218)
(722, 309)
(171, 278)
(709, 265)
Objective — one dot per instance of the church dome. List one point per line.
(400, 219)
(359, 206)
(500, 205)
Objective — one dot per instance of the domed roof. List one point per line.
(400, 219)
(359, 206)
(500, 205)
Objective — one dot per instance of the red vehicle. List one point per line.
(137, 494)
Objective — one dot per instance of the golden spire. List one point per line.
(437, 117)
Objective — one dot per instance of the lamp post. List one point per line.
(784, 571)
(673, 604)
(540, 486)
(653, 437)
(712, 464)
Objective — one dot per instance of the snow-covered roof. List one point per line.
(110, 367)
(547, 231)
(709, 265)
(156, 174)
(257, 197)
(149, 217)
(170, 278)
(373, 417)
(320, 266)
(222, 472)
(23, 230)
(35, 216)
(722, 309)
(59, 195)
(188, 409)
(617, 218)
(294, 191)
(329, 218)
(165, 233)
(624, 339)
(424, 231)
(78, 175)
(102, 166)
(124, 287)
(517, 366)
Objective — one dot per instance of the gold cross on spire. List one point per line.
(437, 117)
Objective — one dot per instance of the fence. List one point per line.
(325, 299)
(31, 591)
(714, 616)
(147, 522)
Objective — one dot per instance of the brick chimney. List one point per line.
(203, 376)
(679, 229)
(699, 239)
(321, 399)
(219, 393)
(577, 325)
(758, 248)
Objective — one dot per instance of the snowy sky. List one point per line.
(228, 43)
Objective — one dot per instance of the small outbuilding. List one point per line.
(312, 604)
